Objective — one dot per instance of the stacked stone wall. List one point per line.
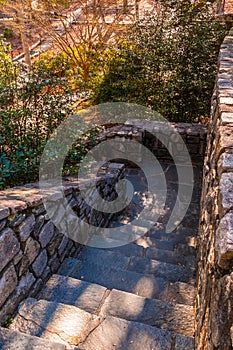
(215, 258)
(31, 247)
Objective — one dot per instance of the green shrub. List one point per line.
(168, 61)
(30, 110)
(7, 33)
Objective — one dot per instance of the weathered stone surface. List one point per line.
(117, 334)
(15, 205)
(169, 257)
(39, 210)
(17, 220)
(4, 213)
(225, 137)
(22, 290)
(224, 241)
(40, 263)
(221, 313)
(184, 343)
(226, 191)
(147, 242)
(10, 340)
(24, 285)
(129, 281)
(2, 224)
(171, 272)
(179, 292)
(26, 227)
(9, 247)
(225, 163)
(231, 335)
(32, 249)
(177, 318)
(8, 283)
(62, 246)
(130, 249)
(54, 321)
(46, 234)
(227, 118)
(67, 290)
(38, 225)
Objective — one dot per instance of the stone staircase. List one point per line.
(137, 296)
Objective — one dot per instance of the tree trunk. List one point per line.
(24, 39)
(125, 6)
(137, 9)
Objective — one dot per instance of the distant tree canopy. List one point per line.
(168, 61)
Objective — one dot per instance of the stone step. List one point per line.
(171, 272)
(128, 250)
(12, 340)
(159, 232)
(179, 293)
(170, 257)
(145, 285)
(146, 242)
(104, 257)
(185, 249)
(118, 334)
(174, 317)
(54, 321)
(67, 290)
(94, 259)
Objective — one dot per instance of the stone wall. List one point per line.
(215, 261)
(31, 247)
(193, 135)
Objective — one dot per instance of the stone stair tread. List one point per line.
(174, 317)
(141, 284)
(170, 257)
(171, 272)
(181, 233)
(184, 343)
(185, 249)
(128, 250)
(71, 291)
(118, 334)
(14, 340)
(147, 242)
(145, 285)
(54, 321)
(179, 293)
(96, 256)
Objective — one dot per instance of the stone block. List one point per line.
(114, 333)
(40, 263)
(225, 138)
(4, 213)
(225, 163)
(16, 340)
(46, 234)
(32, 249)
(184, 343)
(26, 227)
(8, 283)
(2, 224)
(224, 242)
(55, 321)
(9, 247)
(226, 192)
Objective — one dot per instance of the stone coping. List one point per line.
(20, 198)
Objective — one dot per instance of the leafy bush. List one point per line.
(30, 110)
(8, 69)
(168, 61)
(7, 33)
